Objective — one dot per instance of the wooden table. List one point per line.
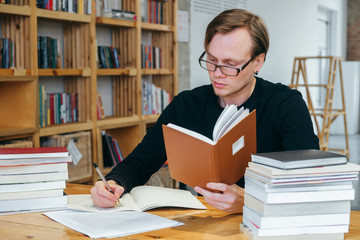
(199, 224)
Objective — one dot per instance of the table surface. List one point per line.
(199, 224)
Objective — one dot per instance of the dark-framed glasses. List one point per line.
(227, 70)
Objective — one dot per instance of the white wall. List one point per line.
(351, 83)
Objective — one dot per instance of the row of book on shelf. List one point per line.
(108, 57)
(33, 179)
(150, 57)
(112, 154)
(302, 194)
(57, 108)
(48, 52)
(7, 50)
(113, 9)
(152, 11)
(71, 6)
(154, 98)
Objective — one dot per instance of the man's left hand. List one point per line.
(229, 198)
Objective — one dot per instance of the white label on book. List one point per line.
(238, 145)
(74, 152)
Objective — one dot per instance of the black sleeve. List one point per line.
(147, 157)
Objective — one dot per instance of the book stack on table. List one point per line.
(302, 194)
(33, 179)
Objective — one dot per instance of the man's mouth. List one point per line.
(219, 85)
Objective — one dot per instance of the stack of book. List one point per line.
(33, 179)
(303, 194)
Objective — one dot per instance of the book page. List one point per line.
(191, 133)
(224, 117)
(140, 198)
(83, 202)
(149, 197)
(235, 119)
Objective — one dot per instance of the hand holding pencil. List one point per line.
(105, 193)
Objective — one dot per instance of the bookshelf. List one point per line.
(77, 71)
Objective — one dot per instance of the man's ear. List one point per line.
(259, 61)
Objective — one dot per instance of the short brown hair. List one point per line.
(232, 19)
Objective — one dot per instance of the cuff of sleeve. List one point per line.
(118, 180)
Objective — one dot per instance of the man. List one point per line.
(236, 44)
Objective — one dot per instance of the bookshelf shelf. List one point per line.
(16, 10)
(115, 22)
(116, 122)
(66, 128)
(150, 118)
(25, 84)
(63, 72)
(156, 27)
(7, 75)
(115, 71)
(157, 71)
(63, 16)
(11, 131)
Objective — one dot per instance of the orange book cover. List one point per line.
(196, 162)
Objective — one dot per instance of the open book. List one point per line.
(140, 199)
(195, 159)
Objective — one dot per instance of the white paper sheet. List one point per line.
(111, 224)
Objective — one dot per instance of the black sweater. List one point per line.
(282, 120)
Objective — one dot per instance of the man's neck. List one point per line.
(239, 97)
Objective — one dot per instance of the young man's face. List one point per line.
(232, 49)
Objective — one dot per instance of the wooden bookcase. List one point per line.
(78, 72)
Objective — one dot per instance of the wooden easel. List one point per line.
(322, 117)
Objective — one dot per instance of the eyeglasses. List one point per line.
(227, 70)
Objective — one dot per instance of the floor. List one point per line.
(338, 141)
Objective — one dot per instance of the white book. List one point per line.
(31, 194)
(304, 196)
(140, 198)
(70, 6)
(144, 10)
(250, 182)
(33, 177)
(324, 236)
(21, 187)
(295, 230)
(31, 204)
(348, 168)
(296, 209)
(38, 168)
(300, 180)
(305, 177)
(296, 221)
(33, 161)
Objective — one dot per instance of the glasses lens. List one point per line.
(206, 65)
(229, 71)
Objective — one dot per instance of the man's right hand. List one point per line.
(101, 197)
